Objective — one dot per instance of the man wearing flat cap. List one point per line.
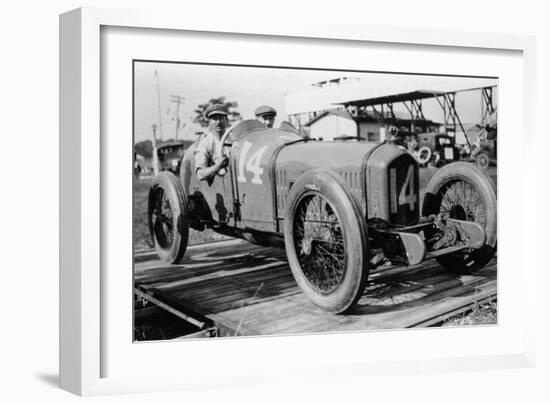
(266, 114)
(209, 159)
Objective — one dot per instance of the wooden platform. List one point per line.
(249, 290)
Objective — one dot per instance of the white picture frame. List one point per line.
(85, 305)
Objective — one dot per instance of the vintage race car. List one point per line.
(338, 208)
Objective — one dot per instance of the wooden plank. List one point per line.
(232, 290)
(267, 289)
(268, 320)
(458, 311)
(206, 333)
(230, 293)
(430, 306)
(225, 325)
(206, 255)
(269, 273)
(194, 268)
(278, 315)
(286, 306)
(220, 275)
(421, 300)
(166, 307)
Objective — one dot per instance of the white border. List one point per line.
(80, 314)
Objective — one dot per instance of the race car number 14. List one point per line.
(406, 193)
(253, 164)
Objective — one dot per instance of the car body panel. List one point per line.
(392, 192)
(343, 157)
(252, 161)
(243, 197)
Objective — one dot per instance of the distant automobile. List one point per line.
(436, 148)
(170, 154)
(338, 208)
(485, 151)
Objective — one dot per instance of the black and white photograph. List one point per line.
(280, 201)
(275, 202)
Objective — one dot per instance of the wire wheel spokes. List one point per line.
(319, 243)
(163, 220)
(462, 200)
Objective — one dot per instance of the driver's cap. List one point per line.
(265, 110)
(216, 109)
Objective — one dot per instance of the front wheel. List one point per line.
(168, 218)
(326, 241)
(463, 191)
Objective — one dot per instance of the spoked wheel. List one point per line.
(318, 238)
(482, 160)
(326, 241)
(424, 155)
(464, 192)
(168, 221)
(461, 200)
(161, 219)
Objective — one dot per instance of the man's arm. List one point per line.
(206, 173)
(206, 167)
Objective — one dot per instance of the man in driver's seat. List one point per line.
(209, 159)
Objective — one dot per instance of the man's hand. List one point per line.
(211, 171)
(222, 162)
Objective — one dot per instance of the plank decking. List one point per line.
(249, 290)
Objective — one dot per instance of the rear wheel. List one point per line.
(464, 192)
(168, 218)
(326, 241)
(482, 160)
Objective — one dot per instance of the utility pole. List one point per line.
(156, 168)
(158, 96)
(178, 100)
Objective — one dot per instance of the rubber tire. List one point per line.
(336, 191)
(482, 160)
(487, 189)
(424, 163)
(178, 204)
(474, 150)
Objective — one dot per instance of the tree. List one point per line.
(144, 148)
(232, 109)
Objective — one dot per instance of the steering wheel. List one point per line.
(225, 136)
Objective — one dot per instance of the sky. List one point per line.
(250, 87)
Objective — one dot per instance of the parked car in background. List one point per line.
(170, 154)
(436, 148)
(485, 151)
